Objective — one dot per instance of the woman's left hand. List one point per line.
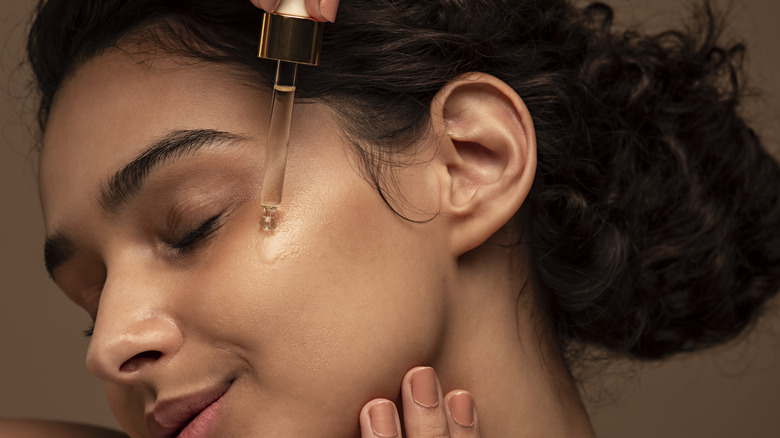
(427, 414)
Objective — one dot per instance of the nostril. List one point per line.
(139, 360)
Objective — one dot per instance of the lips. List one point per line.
(188, 416)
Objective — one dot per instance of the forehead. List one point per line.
(114, 106)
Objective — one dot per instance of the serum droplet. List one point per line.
(269, 218)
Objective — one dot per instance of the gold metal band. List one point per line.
(291, 39)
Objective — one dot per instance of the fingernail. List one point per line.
(425, 390)
(462, 409)
(276, 5)
(382, 416)
(328, 9)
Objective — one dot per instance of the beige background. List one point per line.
(731, 392)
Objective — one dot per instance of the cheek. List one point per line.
(333, 309)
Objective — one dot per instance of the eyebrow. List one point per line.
(122, 186)
(127, 182)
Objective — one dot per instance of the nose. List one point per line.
(133, 336)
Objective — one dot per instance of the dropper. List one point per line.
(291, 37)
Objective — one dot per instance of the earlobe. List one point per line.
(487, 156)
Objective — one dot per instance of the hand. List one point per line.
(320, 10)
(426, 413)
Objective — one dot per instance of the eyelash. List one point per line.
(90, 330)
(197, 235)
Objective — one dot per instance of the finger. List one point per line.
(461, 414)
(424, 415)
(379, 419)
(322, 10)
(266, 5)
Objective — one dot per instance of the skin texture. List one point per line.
(307, 324)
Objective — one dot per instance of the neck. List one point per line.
(498, 348)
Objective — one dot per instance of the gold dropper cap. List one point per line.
(291, 39)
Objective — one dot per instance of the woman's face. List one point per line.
(150, 182)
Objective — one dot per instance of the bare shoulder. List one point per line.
(53, 429)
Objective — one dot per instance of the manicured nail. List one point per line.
(328, 9)
(462, 409)
(425, 390)
(382, 416)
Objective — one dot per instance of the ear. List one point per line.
(487, 156)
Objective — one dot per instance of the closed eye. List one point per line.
(198, 235)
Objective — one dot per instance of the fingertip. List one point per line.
(424, 386)
(379, 418)
(320, 10)
(411, 372)
(266, 5)
(328, 9)
(313, 8)
(461, 408)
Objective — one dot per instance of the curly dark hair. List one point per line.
(655, 214)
